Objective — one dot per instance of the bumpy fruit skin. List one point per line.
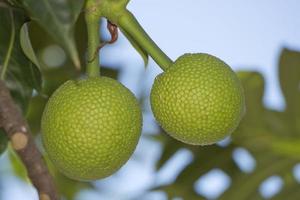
(198, 100)
(91, 127)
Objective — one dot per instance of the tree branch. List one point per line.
(22, 142)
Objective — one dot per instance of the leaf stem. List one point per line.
(10, 47)
(131, 26)
(93, 26)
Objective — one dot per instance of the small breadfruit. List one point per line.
(198, 100)
(91, 127)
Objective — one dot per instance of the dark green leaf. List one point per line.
(3, 141)
(26, 45)
(34, 113)
(58, 18)
(13, 3)
(55, 76)
(22, 76)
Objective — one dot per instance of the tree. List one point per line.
(27, 83)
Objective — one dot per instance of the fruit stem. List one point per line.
(131, 26)
(93, 25)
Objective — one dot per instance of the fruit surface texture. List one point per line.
(198, 100)
(91, 127)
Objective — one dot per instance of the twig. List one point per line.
(22, 142)
(113, 30)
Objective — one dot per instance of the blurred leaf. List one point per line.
(34, 113)
(13, 3)
(57, 17)
(3, 141)
(26, 45)
(253, 121)
(55, 77)
(68, 188)
(253, 84)
(290, 190)
(241, 189)
(17, 165)
(253, 126)
(288, 147)
(109, 72)
(22, 76)
(171, 146)
(289, 75)
(169, 150)
(137, 47)
(262, 131)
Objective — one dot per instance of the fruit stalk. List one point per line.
(131, 26)
(22, 142)
(93, 25)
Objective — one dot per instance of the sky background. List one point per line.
(247, 35)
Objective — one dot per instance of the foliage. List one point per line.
(22, 74)
(3, 141)
(31, 81)
(271, 136)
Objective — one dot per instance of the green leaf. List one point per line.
(3, 141)
(263, 132)
(169, 150)
(17, 165)
(254, 120)
(247, 189)
(288, 147)
(13, 3)
(54, 77)
(137, 47)
(253, 84)
(68, 188)
(289, 75)
(26, 45)
(170, 146)
(58, 18)
(290, 189)
(22, 76)
(34, 113)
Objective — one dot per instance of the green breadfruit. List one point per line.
(198, 100)
(91, 127)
